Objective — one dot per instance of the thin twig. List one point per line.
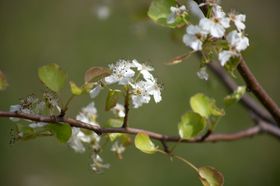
(215, 137)
(126, 109)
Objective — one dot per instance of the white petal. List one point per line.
(95, 91)
(110, 79)
(224, 56)
(193, 6)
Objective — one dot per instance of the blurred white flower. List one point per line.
(98, 165)
(194, 37)
(216, 24)
(202, 73)
(238, 20)
(175, 12)
(103, 12)
(37, 124)
(118, 110)
(140, 93)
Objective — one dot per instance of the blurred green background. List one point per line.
(73, 34)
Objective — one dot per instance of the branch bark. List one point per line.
(249, 132)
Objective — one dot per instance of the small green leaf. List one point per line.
(52, 76)
(96, 73)
(205, 106)
(191, 125)
(116, 123)
(159, 11)
(62, 131)
(231, 66)
(112, 99)
(235, 96)
(143, 142)
(75, 89)
(3, 81)
(209, 176)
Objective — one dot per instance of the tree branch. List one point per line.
(258, 90)
(250, 132)
(246, 100)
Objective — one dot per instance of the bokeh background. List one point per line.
(78, 34)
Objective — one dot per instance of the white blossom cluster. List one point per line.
(137, 77)
(218, 25)
(176, 12)
(80, 137)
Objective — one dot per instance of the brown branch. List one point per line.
(258, 90)
(250, 132)
(246, 100)
(126, 109)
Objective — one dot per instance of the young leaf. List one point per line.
(143, 142)
(96, 73)
(205, 106)
(52, 76)
(191, 124)
(235, 96)
(3, 81)
(116, 123)
(209, 176)
(75, 89)
(62, 131)
(112, 99)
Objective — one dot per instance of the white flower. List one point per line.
(143, 69)
(75, 142)
(140, 93)
(118, 148)
(238, 20)
(175, 12)
(194, 37)
(121, 73)
(95, 91)
(237, 40)
(154, 89)
(118, 110)
(225, 55)
(97, 163)
(195, 10)
(88, 115)
(202, 73)
(237, 43)
(216, 24)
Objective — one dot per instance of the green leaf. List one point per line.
(231, 66)
(3, 81)
(96, 73)
(62, 131)
(143, 142)
(191, 125)
(235, 96)
(75, 89)
(209, 176)
(159, 11)
(116, 123)
(52, 76)
(205, 106)
(112, 99)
